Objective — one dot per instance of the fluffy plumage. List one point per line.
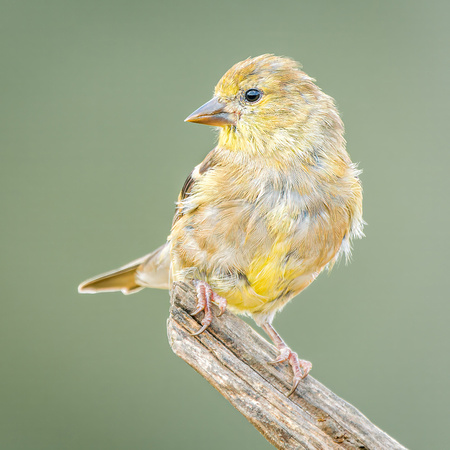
(274, 203)
(276, 200)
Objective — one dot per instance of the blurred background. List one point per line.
(93, 153)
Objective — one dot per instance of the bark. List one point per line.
(234, 359)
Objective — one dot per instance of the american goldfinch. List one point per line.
(273, 204)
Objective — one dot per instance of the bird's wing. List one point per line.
(188, 185)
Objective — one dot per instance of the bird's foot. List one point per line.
(300, 367)
(205, 297)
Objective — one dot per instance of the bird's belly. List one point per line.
(255, 259)
(245, 299)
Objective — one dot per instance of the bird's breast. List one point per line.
(256, 239)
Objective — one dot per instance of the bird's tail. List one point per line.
(149, 271)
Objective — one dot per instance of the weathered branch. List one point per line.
(234, 359)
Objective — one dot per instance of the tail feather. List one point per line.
(149, 271)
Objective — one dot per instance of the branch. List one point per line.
(234, 359)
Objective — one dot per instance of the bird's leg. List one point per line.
(205, 296)
(300, 367)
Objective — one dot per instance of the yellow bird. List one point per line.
(274, 203)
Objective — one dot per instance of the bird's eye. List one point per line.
(253, 95)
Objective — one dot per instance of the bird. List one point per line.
(277, 201)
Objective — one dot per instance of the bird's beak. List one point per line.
(212, 113)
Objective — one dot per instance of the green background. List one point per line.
(93, 153)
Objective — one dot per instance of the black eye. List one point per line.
(253, 95)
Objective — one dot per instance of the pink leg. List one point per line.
(300, 367)
(205, 296)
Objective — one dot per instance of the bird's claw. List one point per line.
(205, 296)
(205, 325)
(300, 367)
(282, 357)
(221, 303)
(200, 307)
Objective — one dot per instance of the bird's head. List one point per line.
(261, 101)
